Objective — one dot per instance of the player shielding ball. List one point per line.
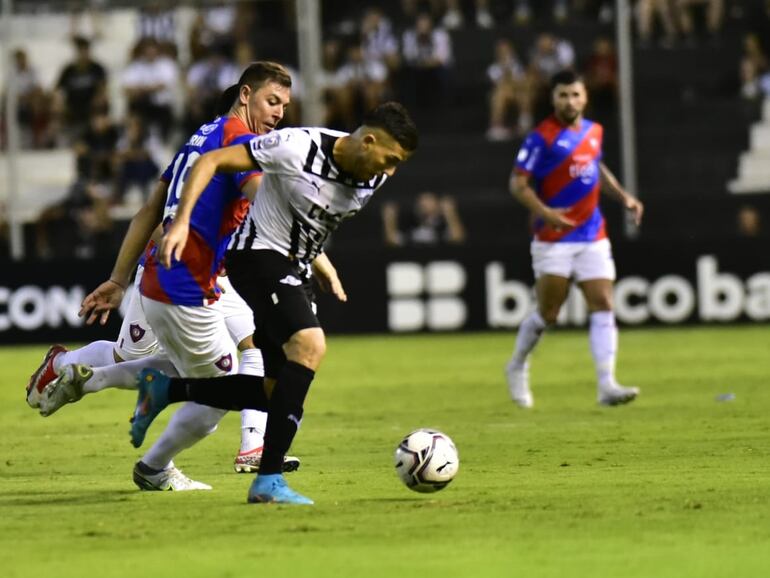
(558, 176)
(313, 179)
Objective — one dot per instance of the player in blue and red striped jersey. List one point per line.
(558, 176)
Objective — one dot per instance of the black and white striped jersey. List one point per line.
(303, 196)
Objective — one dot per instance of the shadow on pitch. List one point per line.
(51, 498)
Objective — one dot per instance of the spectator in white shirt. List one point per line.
(150, 83)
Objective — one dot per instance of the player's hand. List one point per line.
(558, 219)
(102, 300)
(636, 207)
(329, 282)
(173, 243)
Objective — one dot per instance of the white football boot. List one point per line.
(170, 479)
(518, 384)
(67, 388)
(616, 394)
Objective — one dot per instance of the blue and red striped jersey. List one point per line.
(217, 213)
(564, 165)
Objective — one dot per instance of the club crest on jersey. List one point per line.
(136, 331)
(266, 142)
(291, 280)
(225, 363)
(208, 128)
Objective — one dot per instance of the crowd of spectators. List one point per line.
(371, 52)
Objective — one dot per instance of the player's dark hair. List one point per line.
(565, 77)
(263, 71)
(226, 100)
(394, 119)
(256, 75)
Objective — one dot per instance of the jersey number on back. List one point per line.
(178, 176)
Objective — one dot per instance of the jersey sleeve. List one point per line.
(243, 177)
(529, 154)
(278, 150)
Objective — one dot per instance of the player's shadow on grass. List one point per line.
(41, 498)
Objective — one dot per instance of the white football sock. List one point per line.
(253, 422)
(530, 331)
(252, 363)
(96, 354)
(253, 425)
(123, 375)
(190, 424)
(603, 335)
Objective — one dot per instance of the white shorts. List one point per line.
(238, 316)
(136, 339)
(578, 261)
(195, 338)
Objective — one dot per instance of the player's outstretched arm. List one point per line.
(611, 185)
(109, 295)
(326, 275)
(229, 160)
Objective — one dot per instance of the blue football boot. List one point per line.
(272, 488)
(152, 399)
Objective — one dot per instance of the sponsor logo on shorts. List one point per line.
(136, 331)
(291, 280)
(225, 363)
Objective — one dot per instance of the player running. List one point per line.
(313, 179)
(558, 176)
(181, 302)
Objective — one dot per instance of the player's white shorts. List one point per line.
(136, 339)
(578, 261)
(195, 338)
(238, 315)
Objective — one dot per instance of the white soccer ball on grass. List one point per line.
(426, 460)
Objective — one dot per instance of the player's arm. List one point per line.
(109, 294)
(326, 275)
(250, 187)
(523, 192)
(229, 160)
(611, 186)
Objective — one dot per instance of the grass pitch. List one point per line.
(676, 484)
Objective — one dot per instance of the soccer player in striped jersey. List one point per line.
(313, 179)
(189, 287)
(558, 176)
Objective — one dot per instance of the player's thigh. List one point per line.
(282, 305)
(195, 338)
(595, 274)
(136, 339)
(552, 291)
(238, 316)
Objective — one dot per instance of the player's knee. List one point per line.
(307, 347)
(549, 315)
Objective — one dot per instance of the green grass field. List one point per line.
(675, 485)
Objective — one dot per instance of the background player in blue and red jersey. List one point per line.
(558, 176)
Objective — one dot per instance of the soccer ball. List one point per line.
(426, 460)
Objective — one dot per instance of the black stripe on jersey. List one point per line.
(238, 233)
(251, 156)
(252, 234)
(329, 170)
(294, 238)
(308, 168)
(327, 148)
(309, 247)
